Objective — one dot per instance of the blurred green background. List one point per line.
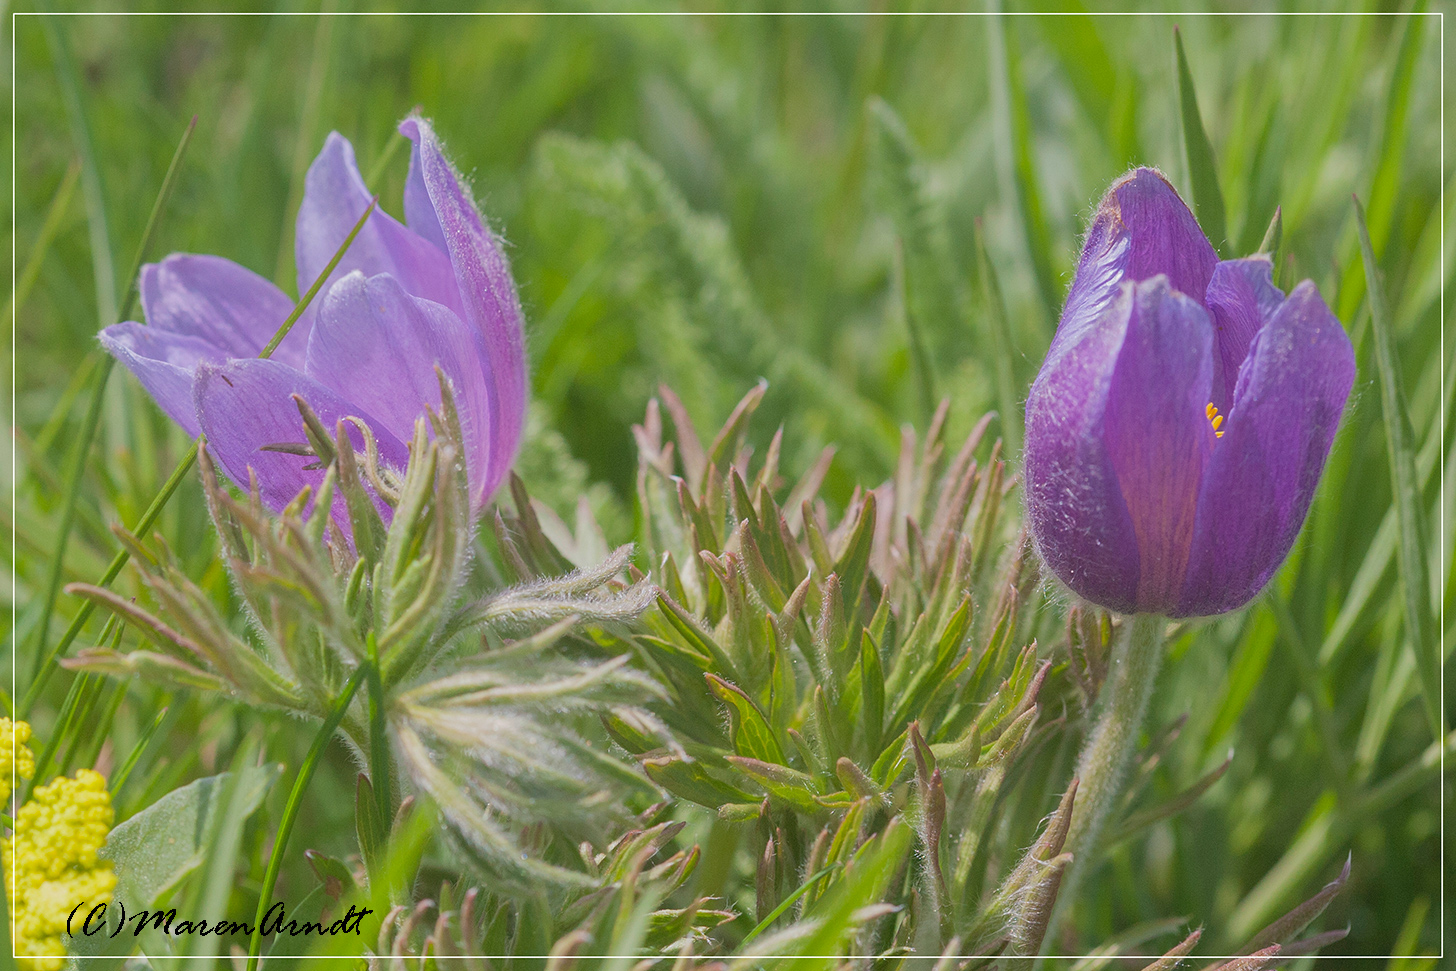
(702, 201)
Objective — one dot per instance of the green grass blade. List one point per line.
(1412, 553)
(75, 467)
(1207, 197)
(149, 518)
(80, 736)
(386, 157)
(1385, 187)
(1390, 149)
(923, 276)
(60, 204)
(1016, 123)
(307, 298)
(1359, 603)
(107, 310)
(61, 729)
(295, 800)
(81, 449)
(1273, 236)
(1106, 89)
(1326, 831)
(787, 902)
(169, 182)
(213, 883)
(102, 265)
(56, 421)
(1008, 392)
(1314, 687)
(308, 123)
(137, 750)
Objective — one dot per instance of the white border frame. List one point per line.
(1440, 258)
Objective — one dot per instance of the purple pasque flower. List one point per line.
(1180, 422)
(405, 298)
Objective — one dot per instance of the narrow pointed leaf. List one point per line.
(1207, 197)
(1413, 555)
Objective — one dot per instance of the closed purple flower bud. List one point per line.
(404, 300)
(1182, 417)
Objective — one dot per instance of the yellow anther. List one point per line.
(1214, 418)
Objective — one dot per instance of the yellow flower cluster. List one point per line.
(15, 758)
(51, 864)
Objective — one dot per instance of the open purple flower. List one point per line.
(404, 300)
(1182, 418)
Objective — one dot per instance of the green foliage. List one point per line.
(870, 213)
(155, 849)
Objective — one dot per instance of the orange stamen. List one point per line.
(1214, 419)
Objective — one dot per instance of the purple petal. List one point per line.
(487, 293)
(1242, 298)
(1262, 475)
(419, 211)
(1157, 433)
(247, 404)
(1142, 228)
(380, 346)
(334, 198)
(219, 302)
(1077, 515)
(163, 362)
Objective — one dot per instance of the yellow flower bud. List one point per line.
(52, 863)
(15, 759)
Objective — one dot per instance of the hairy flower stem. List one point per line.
(379, 744)
(1102, 766)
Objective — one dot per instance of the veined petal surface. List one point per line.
(1141, 229)
(334, 198)
(487, 292)
(379, 346)
(220, 302)
(247, 404)
(1157, 434)
(1262, 475)
(164, 363)
(1078, 519)
(1242, 298)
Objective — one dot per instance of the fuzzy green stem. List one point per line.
(1102, 766)
(379, 744)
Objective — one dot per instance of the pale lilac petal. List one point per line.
(217, 301)
(1242, 298)
(1078, 519)
(1262, 476)
(163, 362)
(419, 211)
(487, 293)
(1157, 434)
(334, 198)
(379, 346)
(245, 405)
(1142, 229)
